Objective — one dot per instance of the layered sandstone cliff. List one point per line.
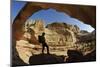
(60, 38)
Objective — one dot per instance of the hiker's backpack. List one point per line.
(40, 39)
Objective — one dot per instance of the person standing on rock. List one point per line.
(44, 44)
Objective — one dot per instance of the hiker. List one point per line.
(44, 44)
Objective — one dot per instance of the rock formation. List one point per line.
(83, 13)
(60, 38)
(86, 42)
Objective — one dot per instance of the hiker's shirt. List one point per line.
(42, 39)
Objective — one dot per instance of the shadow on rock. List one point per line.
(45, 59)
(76, 56)
(91, 56)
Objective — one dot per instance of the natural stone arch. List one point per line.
(83, 13)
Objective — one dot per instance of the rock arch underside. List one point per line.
(87, 14)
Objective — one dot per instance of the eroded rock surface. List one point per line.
(60, 38)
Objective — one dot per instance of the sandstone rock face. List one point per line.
(30, 8)
(24, 48)
(86, 42)
(83, 32)
(60, 38)
(64, 31)
(38, 26)
(63, 26)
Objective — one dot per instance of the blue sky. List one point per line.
(50, 15)
(16, 7)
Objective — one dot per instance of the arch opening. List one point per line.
(51, 15)
(54, 32)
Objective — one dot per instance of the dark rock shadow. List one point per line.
(45, 59)
(76, 56)
(90, 57)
